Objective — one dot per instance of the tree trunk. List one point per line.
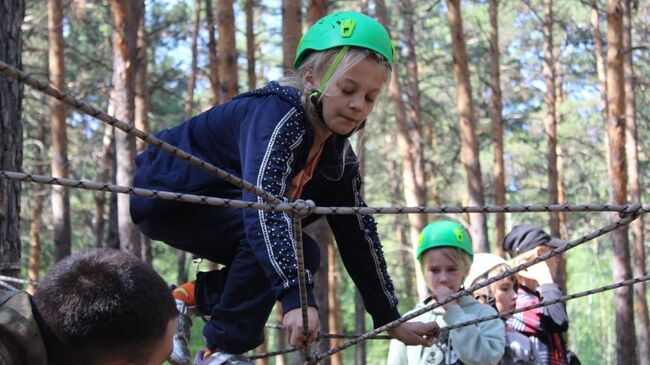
(550, 127)
(122, 98)
(334, 304)
(188, 111)
(104, 176)
(359, 327)
(212, 49)
(321, 233)
(469, 144)
(291, 32)
(632, 154)
(282, 342)
(621, 270)
(34, 264)
(11, 136)
(141, 89)
(600, 61)
(408, 152)
(497, 125)
(142, 103)
(227, 50)
(112, 236)
(58, 115)
(249, 6)
(561, 273)
(550, 123)
(191, 81)
(403, 244)
(181, 268)
(316, 9)
(410, 133)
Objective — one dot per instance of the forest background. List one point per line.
(445, 136)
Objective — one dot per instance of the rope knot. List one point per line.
(631, 209)
(303, 208)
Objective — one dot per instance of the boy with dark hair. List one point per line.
(544, 326)
(98, 307)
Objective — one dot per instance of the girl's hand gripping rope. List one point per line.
(415, 333)
(292, 324)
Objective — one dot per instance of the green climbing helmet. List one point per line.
(444, 234)
(345, 28)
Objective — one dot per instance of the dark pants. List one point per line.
(240, 297)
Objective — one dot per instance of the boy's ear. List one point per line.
(540, 250)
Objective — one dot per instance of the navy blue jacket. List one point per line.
(264, 137)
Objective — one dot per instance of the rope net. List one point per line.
(301, 209)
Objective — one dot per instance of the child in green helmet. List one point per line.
(291, 140)
(445, 256)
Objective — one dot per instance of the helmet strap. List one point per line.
(330, 71)
(315, 95)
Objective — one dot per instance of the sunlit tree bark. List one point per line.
(469, 154)
(122, 99)
(58, 116)
(408, 152)
(35, 246)
(316, 9)
(291, 32)
(621, 270)
(497, 125)
(249, 6)
(632, 154)
(104, 176)
(212, 52)
(228, 73)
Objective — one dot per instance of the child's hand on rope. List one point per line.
(541, 272)
(415, 333)
(292, 324)
(440, 293)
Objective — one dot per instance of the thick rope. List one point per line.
(272, 353)
(301, 210)
(503, 314)
(545, 303)
(610, 227)
(279, 327)
(292, 207)
(302, 282)
(46, 88)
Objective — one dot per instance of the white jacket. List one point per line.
(478, 344)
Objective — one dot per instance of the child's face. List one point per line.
(353, 96)
(439, 270)
(505, 296)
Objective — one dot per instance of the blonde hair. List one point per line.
(318, 63)
(456, 256)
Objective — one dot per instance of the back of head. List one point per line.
(100, 305)
(482, 266)
(525, 237)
